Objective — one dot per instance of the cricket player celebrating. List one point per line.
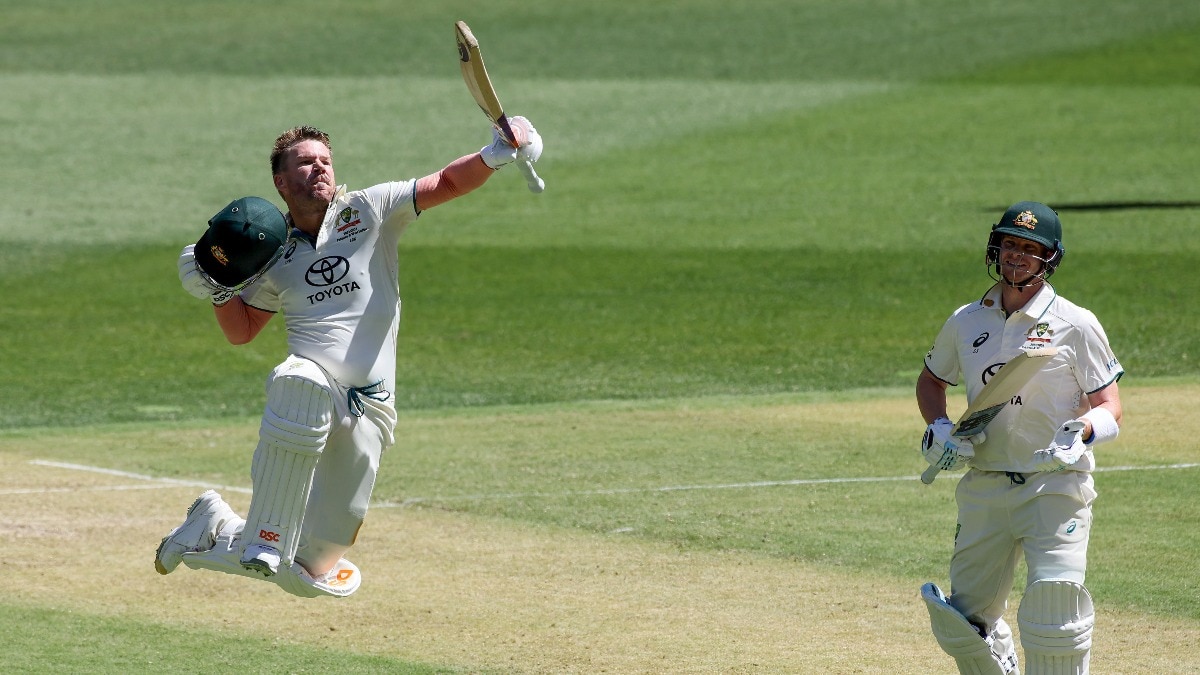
(1029, 486)
(331, 266)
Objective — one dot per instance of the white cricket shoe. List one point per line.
(205, 518)
(262, 559)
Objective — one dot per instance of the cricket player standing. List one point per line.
(1029, 486)
(329, 411)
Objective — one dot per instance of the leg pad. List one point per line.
(957, 637)
(1056, 619)
(294, 429)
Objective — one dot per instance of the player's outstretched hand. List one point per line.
(196, 283)
(1066, 448)
(943, 450)
(501, 152)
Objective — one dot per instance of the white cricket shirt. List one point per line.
(341, 302)
(977, 340)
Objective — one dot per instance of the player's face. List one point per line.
(307, 174)
(1021, 259)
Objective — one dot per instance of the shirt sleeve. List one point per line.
(1096, 366)
(394, 203)
(261, 295)
(942, 359)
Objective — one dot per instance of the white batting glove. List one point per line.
(196, 283)
(501, 152)
(943, 450)
(1066, 448)
(531, 144)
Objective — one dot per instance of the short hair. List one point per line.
(291, 137)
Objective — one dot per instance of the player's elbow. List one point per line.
(238, 340)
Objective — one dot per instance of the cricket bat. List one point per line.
(996, 394)
(480, 86)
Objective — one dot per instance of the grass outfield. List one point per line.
(656, 419)
(692, 535)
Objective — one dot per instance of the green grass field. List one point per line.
(656, 419)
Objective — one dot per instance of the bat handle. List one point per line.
(535, 182)
(929, 474)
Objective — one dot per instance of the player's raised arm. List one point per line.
(468, 173)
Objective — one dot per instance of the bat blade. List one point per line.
(995, 395)
(475, 74)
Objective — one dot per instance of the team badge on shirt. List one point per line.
(1038, 336)
(349, 225)
(348, 218)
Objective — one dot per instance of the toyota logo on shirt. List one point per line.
(327, 271)
(327, 274)
(990, 371)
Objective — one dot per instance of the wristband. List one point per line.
(1104, 426)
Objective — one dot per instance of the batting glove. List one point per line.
(1066, 448)
(531, 144)
(501, 152)
(196, 282)
(943, 450)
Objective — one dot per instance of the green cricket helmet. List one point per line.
(1033, 221)
(242, 241)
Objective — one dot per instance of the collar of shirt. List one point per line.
(330, 215)
(1035, 308)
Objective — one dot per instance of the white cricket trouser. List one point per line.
(345, 474)
(1048, 519)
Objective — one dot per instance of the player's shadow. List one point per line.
(1114, 206)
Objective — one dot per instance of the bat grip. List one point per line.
(929, 474)
(535, 183)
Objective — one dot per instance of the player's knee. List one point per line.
(1056, 619)
(299, 413)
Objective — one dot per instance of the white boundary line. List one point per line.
(159, 483)
(163, 483)
(719, 486)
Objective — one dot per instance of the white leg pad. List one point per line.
(225, 557)
(1056, 619)
(957, 637)
(294, 429)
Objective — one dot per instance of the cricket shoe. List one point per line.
(205, 518)
(262, 559)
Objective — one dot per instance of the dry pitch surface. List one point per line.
(476, 593)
